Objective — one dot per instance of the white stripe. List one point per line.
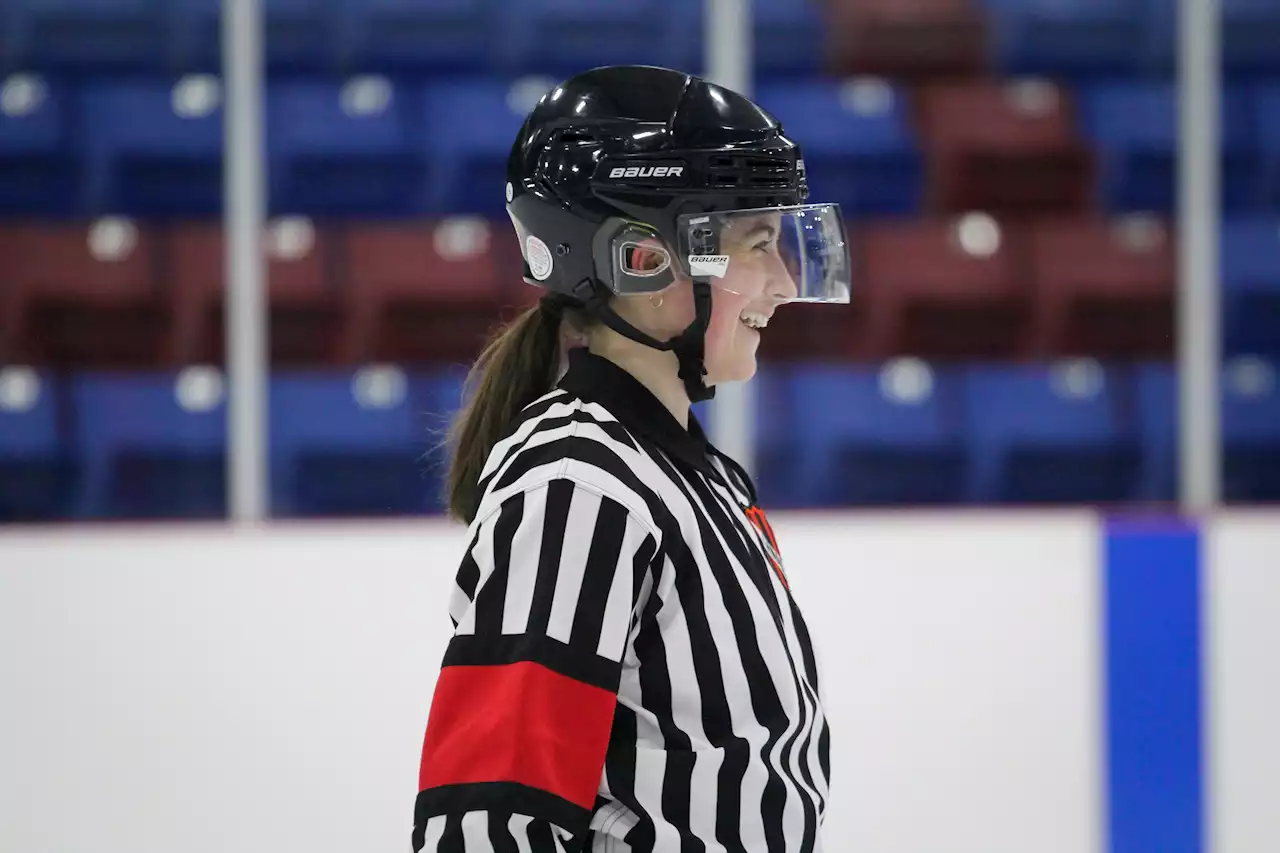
(435, 829)
(583, 512)
(525, 549)
(519, 826)
(475, 833)
(617, 612)
(505, 446)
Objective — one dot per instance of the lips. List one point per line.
(754, 319)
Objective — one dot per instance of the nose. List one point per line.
(781, 285)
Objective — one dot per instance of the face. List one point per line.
(755, 283)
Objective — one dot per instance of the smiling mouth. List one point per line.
(754, 320)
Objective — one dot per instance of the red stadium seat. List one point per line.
(1102, 288)
(421, 292)
(1004, 147)
(305, 314)
(81, 295)
(944, 288)
(905, 40)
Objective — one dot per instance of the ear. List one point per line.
(647, 256)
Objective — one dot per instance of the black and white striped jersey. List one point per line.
(628, 670)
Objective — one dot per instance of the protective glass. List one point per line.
(795, 254)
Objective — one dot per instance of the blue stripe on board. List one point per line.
(1153, 719)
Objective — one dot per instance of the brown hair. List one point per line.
(518, 365)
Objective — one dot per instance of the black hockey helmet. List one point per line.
(622, 156)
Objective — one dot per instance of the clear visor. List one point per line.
(792, 254)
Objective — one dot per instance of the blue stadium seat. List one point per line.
(153, 147)
(779, 473)
(297, 35)
(1267, 111)
(150, 446)
(435, 36)
(468, 127)
(362, 444)
(563, 37)
(1156, 408)
(868, 436)
(1251, 430)
(787, 37)
(343, 149)
(1048, 435)
(1133, 127)
(39, 171)
(859, 150)
(80, 35)
(1071, 39)
(36, 473)
(1250, 260)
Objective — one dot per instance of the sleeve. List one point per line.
(546, 597)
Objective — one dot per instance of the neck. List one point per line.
(656, 370)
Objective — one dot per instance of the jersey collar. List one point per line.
(596, 379)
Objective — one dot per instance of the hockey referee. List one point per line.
(628, 671)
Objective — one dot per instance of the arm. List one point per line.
(515, 743)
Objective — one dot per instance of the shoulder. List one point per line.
(561, 437)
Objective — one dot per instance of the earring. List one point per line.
(656, 303)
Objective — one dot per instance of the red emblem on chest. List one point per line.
(761, 523)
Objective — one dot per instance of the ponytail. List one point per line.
(519, 365)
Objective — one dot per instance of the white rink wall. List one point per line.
(218, 691)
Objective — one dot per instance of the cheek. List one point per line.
(726, 313)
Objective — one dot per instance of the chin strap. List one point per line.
(689, 346)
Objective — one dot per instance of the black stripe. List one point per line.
(582, 665)
(491, 599)
(509, 797)
(452, 839)
(469, 572)
(542, 840)
(604, 561)
(500, 833)
(555, 522)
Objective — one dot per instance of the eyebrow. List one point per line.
(768, 229)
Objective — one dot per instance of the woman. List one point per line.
(628, 670)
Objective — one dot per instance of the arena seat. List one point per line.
(1251, 430)
(468, 129)
(77, 294)
(419, 292)
(428, 36)
(1102, 287)
(39, 170)
(943, 288)
(1250, 33)
(343, 149)
(153, 146)
(80, 36)
(1155, 397)
(563, 37)
(1053, 434)
(1267, 112)
(36, 470)
(876, 435)
(304, 309)
(1250, 261)
(1076, 39)
(151, 445)
(859, 148)
(906, 41)
(1004, 147)
(787, 36)
(360, 443)
(1133, 128)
